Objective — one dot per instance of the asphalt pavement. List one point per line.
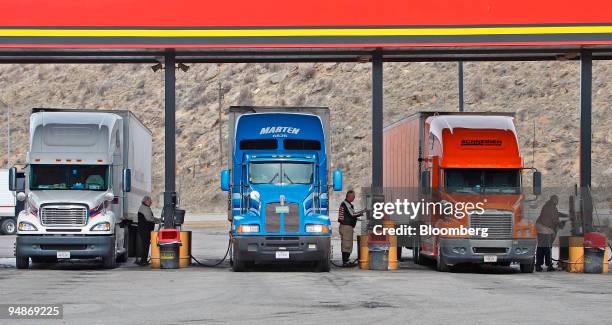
(415, 294)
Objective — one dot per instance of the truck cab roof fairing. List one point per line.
(479, 141)
(438, 123)
(53, 133)
(278, 126)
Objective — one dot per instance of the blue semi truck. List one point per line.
(278, 185)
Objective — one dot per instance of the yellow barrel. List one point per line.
(605, 262)
(155, 264)
(364, 253)
(575, 263)
(184, 250)
(392, 258)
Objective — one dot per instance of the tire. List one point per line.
(122, 258)
(22, 262)
(8, 226)
(441, 265)
(237, 264)
(323, 265)
(527, 267)
(417, 258)
(110, 261)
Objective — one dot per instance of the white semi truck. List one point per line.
(86, 174)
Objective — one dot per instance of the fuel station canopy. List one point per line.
(183, 31)
(339, 30)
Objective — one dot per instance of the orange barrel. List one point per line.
(392, 257)
(363, 252)
(184, 250)
(575, 262)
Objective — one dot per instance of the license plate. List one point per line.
(62, 254)
(490, 258)
(282, 209)
(282, 255)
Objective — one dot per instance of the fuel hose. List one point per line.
(217, 263)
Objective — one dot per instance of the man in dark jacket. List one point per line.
(146, 224)
(347, 217)
(547, 225)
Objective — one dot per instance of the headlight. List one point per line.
(316, 228)
(254, 195)
(103, 226)
(248, 229)
(26, 226)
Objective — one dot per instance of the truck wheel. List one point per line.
(126, 244)
(22, 262)
(8, 227)
(417, 257)
(110, 261)
(237, 264)
(323, 265)
(527, 267)
(441, 265)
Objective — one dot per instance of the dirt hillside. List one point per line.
(542, 94)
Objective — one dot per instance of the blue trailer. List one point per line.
(278, 186)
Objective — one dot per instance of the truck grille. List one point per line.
(291, 219)
(63, 215)
(287, 242)
(498, 222)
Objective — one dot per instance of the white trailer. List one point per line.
(87, 172)
(7, 205)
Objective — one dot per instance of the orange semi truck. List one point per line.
(458, 158)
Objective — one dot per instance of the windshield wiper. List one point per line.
(288, 178)
(273, 178)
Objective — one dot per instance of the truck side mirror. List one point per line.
(225, 180)
(425, 181)
(537, 183)
(337, 178)
(13, 179)
(127, 180)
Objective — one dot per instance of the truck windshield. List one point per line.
(280, 173)
(483, 180)
(69, 177)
